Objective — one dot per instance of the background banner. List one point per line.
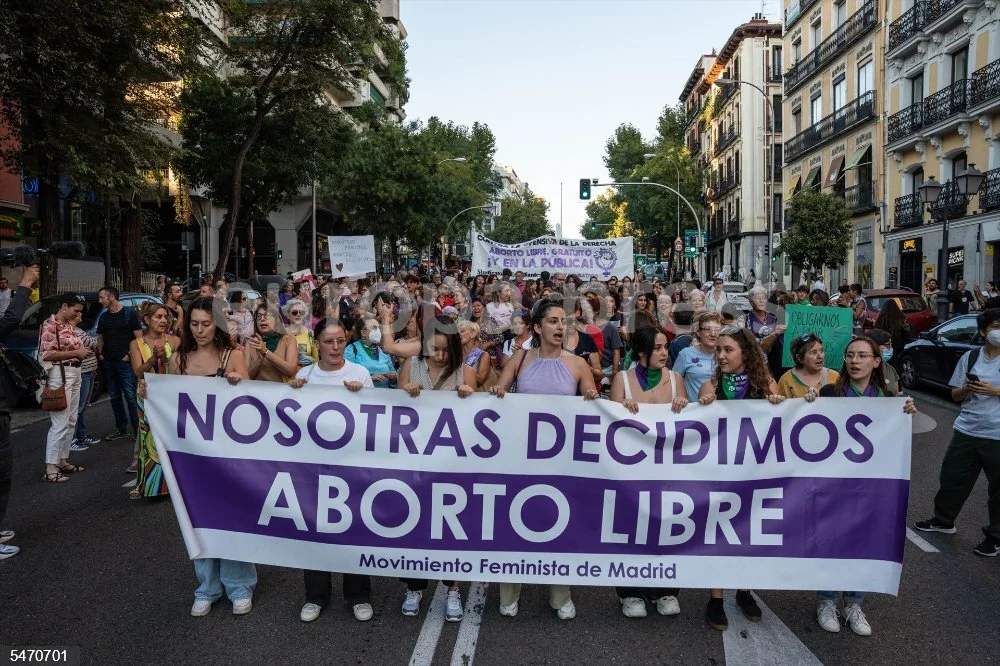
(747, 494)
(351, 256)
(600, 258)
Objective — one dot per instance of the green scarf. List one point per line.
(271, 340)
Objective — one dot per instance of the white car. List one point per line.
(736, 293)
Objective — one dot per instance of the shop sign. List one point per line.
(11, 226)
(956, 257)
(911, 245)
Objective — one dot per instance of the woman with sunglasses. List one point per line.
(438, 369)
(649, 383)
(861, 376)
(271, 356)
(206, 351)
(809, 374)
(696, 362)
(333, 369)
(295, 312)
(740, 374)
(545, 369)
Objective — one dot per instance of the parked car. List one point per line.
(932, 357)
(252, 295)
(914, 307)
(25, 338)
(736, 293)
(655, 269)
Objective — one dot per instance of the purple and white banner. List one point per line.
(552, 490)
(601, 257)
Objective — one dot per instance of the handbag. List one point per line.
(54, 399)
(26, 373)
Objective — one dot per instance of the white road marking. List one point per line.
(468, 630)
(423, 651)
(920, 542)
(130, 484)
(766, 642)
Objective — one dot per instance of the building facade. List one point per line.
(943, 89)
(833, 124)
(731, 130)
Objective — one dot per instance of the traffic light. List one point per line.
(279, 254)
(585, 189)
(593, 227)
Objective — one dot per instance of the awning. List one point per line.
(858, 158)
(792, 187)
(834, 175)
(812, 180)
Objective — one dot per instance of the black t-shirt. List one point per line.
(585, 346)
(118, 329)
(960, 301)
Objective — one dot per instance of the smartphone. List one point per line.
(971, 377)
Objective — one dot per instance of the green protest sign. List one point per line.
(834, 326)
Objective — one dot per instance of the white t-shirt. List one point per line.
(980, 416)
(351, 372)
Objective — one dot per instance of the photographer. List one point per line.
(8, 399)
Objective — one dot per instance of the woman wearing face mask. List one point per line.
(696, 363)
(521, 339)
(333, 369)
(885, 345)
(809, 374)
(150, 353)
(295, 312)
(860, 377)
(545, 369)
(365, 352)
(649, 383)
(740, 374)
(206, 351)
(271, 356)
(439, 370)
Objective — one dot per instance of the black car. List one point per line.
(932, 357)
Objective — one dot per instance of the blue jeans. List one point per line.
(120, 380)
(849, 597)
(86, 388)
(237, 578)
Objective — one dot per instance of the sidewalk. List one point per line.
(19, 418)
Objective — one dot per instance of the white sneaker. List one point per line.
(856, 620)
(6, 535)
(567, 612)
(201, 607)
(242, 606)
(633, 607)
(411, 602)
(8, 551)
(363, 612)
(668, 606)
(453, 608)
(310, 612)
(826, 615)
(510, 610)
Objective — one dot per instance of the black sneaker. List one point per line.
(749, 606)
(715, 615)
(990, 547)
(934, 525)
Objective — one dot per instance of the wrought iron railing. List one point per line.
(729, 184)
(854, 112)
(906, 122)
(989, 191)
(861, 197)
(857, 25)
(946, 103)
(915, 19)
(908, 210)
(985, 83)
(950, 201)
(726, 139)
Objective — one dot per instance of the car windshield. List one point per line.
(42, 310)
(733, 288)
(906, 303)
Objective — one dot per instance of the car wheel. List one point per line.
(908, 373)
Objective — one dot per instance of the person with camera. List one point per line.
(9, 396)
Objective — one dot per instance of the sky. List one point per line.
(554, 78)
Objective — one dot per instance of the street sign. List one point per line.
(678, 244)
(690, 246)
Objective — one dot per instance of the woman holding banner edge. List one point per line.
(740, 374)
(545, 369)
(649, 382)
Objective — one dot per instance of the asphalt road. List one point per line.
(111, 576)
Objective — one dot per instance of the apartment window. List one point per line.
(839, 93)
(959, 163)
(839, 14)
(960, 65)
(815, 109)
(776, 61)
(796, 51)
(917, 89)
(796, 121)
(776, 112)
(736, 164)
(815, 34)
(866, 74)
(737, 209)
(916, 180)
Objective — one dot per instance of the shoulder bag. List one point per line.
(54, 399)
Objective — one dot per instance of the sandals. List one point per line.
(55, 477)
(70, 468)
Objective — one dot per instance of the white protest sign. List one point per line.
(351, 256)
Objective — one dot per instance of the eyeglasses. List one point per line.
(262, 316)
(712, 329)
(861, 356)
(808, 337)
(296, 313)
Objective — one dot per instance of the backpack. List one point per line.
(26, 372)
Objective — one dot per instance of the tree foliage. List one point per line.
(819, 232)
(607, 217)
(521, 219)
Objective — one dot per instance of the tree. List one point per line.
(285, 56)
(82, 85)
(607, 217)
(521, 219)
(819, 230)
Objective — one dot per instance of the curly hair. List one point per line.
(753, 362)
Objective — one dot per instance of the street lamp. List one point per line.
(769, 203)
(967, 183)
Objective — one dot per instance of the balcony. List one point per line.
(861, 198)
(985, 84)
(728, 184)
(950, 202)
(724, 96)
(726, 139)
(913, 21)
(796, 10)
(694, 147)
(938, 108)
(906, 122)
(909, 211)
(855, 112)
(692, 113)
(773, 75)
(853, 29)
(989, 191)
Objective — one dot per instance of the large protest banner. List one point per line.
(601, 258)
(834, 326)
(733, 495)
